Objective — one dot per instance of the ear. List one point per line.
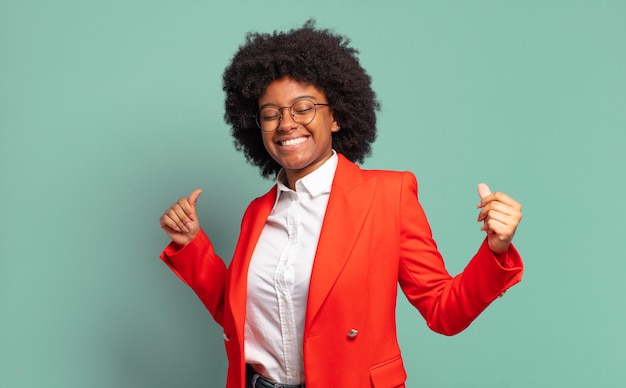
(335, 126)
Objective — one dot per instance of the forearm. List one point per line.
(197, 265)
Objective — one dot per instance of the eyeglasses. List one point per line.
(301, 111)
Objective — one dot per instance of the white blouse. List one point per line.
(279, 276)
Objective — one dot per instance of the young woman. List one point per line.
(310, 294)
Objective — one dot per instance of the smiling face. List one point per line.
(299, 149)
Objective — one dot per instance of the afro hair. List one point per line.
(318, 57)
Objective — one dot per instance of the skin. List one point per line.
(300, 159)
(500, 214)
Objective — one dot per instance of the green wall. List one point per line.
(111, 110)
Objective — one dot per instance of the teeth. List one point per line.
(292, 142)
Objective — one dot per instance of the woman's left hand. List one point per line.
(500, 215)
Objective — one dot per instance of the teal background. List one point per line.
(111, 110)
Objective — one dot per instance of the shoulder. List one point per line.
(394, 182)
(265, 201)
(353, 168)
(390, 175)
(389, 179)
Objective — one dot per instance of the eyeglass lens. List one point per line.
(302, 112)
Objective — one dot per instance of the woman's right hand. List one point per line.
(180, 221)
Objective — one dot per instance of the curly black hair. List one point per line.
(318, 57)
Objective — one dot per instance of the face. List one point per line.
(299, 149)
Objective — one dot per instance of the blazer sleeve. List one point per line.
(449, 304)
(200, 268)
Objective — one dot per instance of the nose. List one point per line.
(286, 122)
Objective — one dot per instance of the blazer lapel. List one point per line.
(350, 200)
(251, 228)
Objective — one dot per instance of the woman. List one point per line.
(310, 294)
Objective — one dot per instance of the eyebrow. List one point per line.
(305, 97)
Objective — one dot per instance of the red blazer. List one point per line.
(374, 236)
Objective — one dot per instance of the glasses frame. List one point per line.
(293, 116)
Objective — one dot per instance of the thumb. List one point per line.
(483, 190)
(193, 197)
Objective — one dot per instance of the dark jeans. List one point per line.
(255, 380)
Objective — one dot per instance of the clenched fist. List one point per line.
(180, 221)
(500, 215)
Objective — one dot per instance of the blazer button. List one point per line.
(353, 333)
(226, 338)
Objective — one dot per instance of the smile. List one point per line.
(293, 142)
